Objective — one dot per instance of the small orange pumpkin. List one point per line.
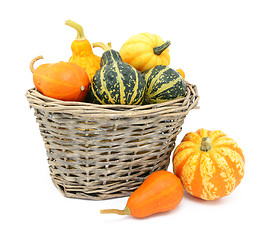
(209, 164)
(63, 80)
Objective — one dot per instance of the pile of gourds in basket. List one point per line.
(110, 123)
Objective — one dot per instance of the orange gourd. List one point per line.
(63, 80)
(181, 72)
(209, 164)
(82, 53)
(161, 191)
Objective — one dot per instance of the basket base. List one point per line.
(103, 192)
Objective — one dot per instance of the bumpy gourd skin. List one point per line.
(117, 82)
(82, 53)
(163, 84)
(83, 56)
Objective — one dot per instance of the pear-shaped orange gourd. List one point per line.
(82, 53)
(161, 191)
(63, 80)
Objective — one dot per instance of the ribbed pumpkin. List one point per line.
(209, 164)
(63, 80)
(145, 50)
(116, 82)
(163, 84)
(82, 53)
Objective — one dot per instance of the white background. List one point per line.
(223, 47)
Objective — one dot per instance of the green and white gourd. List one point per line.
(116, 82)
(163, 84)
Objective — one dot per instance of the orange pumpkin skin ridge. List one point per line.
(208, 174)
(64, 81)
(161, 191)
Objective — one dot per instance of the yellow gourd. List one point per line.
(82, 51)
(144, 51)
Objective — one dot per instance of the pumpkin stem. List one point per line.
(125, 211)
(159, 49)
(80, 32)
(105, 47)
(205, 144)
(33, 61)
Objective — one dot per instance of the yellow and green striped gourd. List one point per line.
(116, 82)
(163, 84)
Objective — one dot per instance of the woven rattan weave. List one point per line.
(106, 151)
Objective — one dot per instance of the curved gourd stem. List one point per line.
(205, 144)
(159, 49)
(105, 47)
(33, 61)
(80, 32)
(125, 211)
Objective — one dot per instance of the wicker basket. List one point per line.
(106, 151)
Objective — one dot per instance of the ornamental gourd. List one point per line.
(163, 84)
(181, 72)
(82, 53)
(209, 164)
(63, 80)
(144, 51)
(162, 191)
(116, 82)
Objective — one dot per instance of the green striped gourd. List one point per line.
(116, 82)
(163, 84)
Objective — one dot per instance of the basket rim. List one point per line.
(39, 101)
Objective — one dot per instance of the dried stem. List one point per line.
(33, 61)
(159, 49)
(105, 47)
(80, 32)
(205, 144)
(125, 211)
